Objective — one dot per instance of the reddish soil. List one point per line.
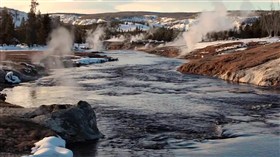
(220, 64)
(19, 56)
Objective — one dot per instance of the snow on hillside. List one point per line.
(145, 22)
(129, 26)
(18, 16)
(76, 19)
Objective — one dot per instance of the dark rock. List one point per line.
(72, 123)
(2, 76)
(3, 96)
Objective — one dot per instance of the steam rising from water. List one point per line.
(216, 20)
(61, 42)
(59, 46)
(93, 38)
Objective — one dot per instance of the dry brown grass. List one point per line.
(217, 65)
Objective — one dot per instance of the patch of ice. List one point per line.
(11, 78)
(87, 61)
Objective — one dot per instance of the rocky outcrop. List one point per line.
(74, 123)
(23, 71)
(257, 65)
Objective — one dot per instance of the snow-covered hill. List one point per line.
(129, 22)
(143, 22)
(18, 16)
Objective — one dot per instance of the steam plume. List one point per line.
(93, 39)
(216, 20)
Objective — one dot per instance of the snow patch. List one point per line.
(50, 147)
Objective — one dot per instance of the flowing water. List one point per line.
(145, 108)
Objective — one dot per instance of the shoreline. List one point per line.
(251, 63)
(25, 126)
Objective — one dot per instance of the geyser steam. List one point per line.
(93, 38)
(61, 42)
(216, 20)
(59, 46)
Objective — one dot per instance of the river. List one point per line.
(144, 107)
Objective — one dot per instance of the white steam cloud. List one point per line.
(59, 46)
(216, 20)
(93, 39)
(61, 42)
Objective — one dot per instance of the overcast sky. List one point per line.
(100, 6)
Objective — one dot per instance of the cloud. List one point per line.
(70, 6)
(98, 6)
(138, 7)
(166, 6)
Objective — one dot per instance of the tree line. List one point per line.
(267, 24)
(33, 30)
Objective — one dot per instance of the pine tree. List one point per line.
(46, 26)
(7, 27)
(31, 35)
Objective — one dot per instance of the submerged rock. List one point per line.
(72, 123)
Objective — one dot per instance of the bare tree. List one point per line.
(270, 21)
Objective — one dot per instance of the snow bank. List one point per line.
(50, 147)
(267, 39)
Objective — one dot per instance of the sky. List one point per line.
(101, 6)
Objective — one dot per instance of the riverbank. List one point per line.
(25, 126)
(257, 66)
(254, 62)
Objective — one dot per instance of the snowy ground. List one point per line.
(269, 40)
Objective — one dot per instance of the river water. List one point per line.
(144, 107)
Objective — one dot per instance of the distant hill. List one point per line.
(176, 15)
(17, 15)
(172, 20)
